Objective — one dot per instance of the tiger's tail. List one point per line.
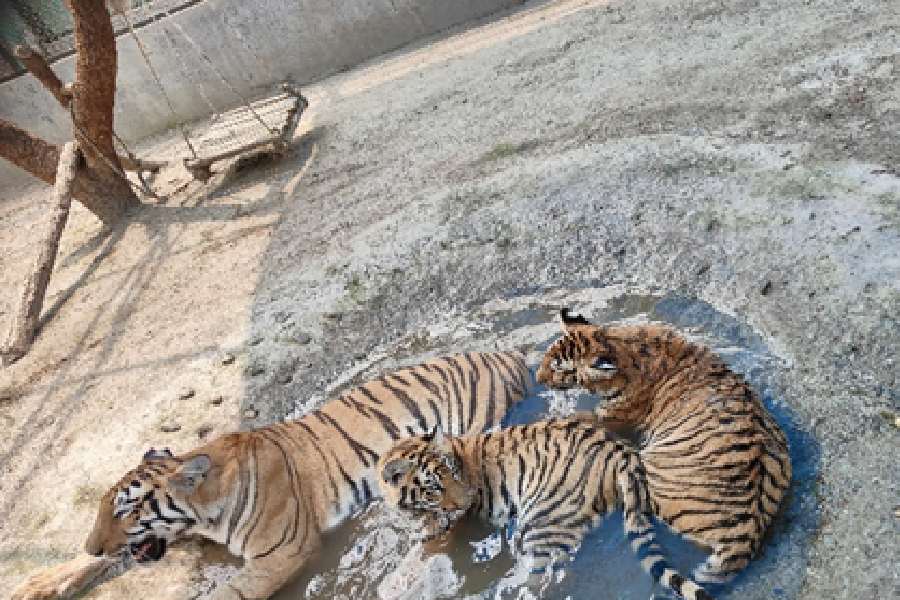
(641, 534)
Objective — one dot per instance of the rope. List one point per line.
(225, 80)
(133, 157)
(159, 84)
(185, 69)
(127, 150)
(216, 70)
(144, 188)
(187, 73)
(246, 43)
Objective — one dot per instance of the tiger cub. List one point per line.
(717, 463)
(550, 482)
(268, 494)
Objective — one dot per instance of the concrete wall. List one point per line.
(254, 44)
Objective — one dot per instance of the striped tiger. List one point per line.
(269, 494)
(547, 482)
(717, 463)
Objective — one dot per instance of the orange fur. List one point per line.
(269, 494)
(717, 463)
(550, 481)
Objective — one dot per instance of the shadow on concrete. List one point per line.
(52, 411)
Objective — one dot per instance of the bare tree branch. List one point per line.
(102, 186)
(37, 66)
(28, 152)
(25, 324)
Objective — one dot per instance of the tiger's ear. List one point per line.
(191, 473)
(571, 321)
(154, 454)
(394, 468)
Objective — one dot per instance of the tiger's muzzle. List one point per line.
(151, 549)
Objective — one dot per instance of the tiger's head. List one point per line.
(606, 360)
(149, 507)
(424, 475)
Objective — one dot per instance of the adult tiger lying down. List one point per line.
(268, 494)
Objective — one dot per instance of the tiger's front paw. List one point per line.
(64, 580)
(37, 587)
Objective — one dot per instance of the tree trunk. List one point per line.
(94, 94)
(40, 159)
(101, 186)
(37, 66)
(95, 78)
(25, 323)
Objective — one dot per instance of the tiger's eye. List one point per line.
(604, 364)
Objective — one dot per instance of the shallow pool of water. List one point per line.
(375, 555)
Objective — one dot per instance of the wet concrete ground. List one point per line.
(734, 157)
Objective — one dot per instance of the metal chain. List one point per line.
(186, 71)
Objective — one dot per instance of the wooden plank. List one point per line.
(25, 324)
(225, 135)
(240, 131)
(274, 110)
(272, 120)
(207, 161)
(260, 104)
(226, 140)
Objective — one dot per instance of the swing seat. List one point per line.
(240, 130)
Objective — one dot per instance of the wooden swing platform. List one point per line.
(241, 130)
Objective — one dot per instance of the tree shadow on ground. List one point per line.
(105, 327)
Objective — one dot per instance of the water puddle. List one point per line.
(376, 556)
